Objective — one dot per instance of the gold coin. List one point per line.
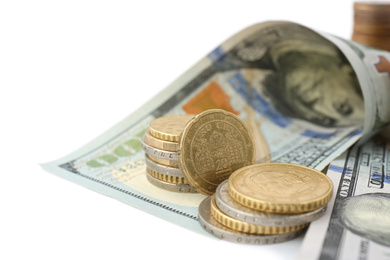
(377, 41)
(246, 227)
(372, 7)
(166, 162)
(183, 188)
(372, 29)
(280, 188)
(165, 177)
(214, 144)
(160, 144)
(169, 127)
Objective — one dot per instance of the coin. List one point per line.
(363, 28)
(372, 24)
(169, 127)
(160, 144)
(185, 188)
(234, 209)
(162, 168)
(377, 41)
(280, 188)
(163, 154)
(213, 145)
(167, 178)
(165, 162)
(214, 227)
(372, 7)
(250, 228)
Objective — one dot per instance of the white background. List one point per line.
(69, 70)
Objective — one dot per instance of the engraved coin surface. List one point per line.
(280, 188)
(159, 143)
(169, 127)
(234, 209)
(214, 144)
(184, 188)
(214, 227)
(246, 227)
(163, 154)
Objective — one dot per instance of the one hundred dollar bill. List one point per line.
(299, 92)
(357, 222)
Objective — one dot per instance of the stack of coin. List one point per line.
(372, 24)
(161, 143)
(266, 203)
(213, 145)
(188, 153)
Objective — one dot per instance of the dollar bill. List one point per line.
(372, 68)
(356, 224)
(264, 74)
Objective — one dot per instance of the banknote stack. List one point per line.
(266, 203)
(372, 24)
(161, 143)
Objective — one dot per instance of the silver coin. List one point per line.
(214, 227)
(234, 209)
(158, 152)
(162, 168)
(170, 186)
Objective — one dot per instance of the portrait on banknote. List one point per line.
(356, 214)
(305, 75)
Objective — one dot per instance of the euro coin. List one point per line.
(184, 188)
(235, 210)
(367, 7)
(165, 162)
(246, 227)
(160, 144)
(169, 127)
(214, 227)
(214, 144)
(377, 41)
(372, 24)
(162, 168)
(365, 28)
(163, 154)
(280, 188)
(166, 177)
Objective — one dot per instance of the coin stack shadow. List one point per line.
(161, 156)
(229, 219)
(372, 24)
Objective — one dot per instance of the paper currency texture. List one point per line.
(356, 224)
